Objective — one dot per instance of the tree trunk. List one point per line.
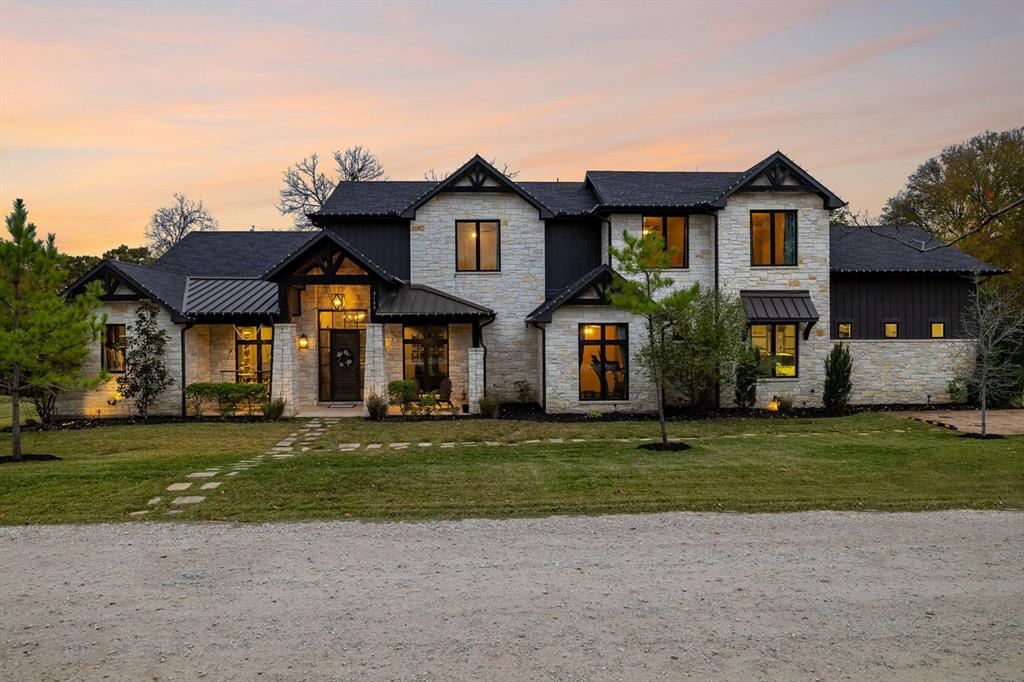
(16, 415)
(659, 392)
(984, 411)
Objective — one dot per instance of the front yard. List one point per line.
(867, 461)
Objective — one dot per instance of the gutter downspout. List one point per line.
(543, 366)
(188, 325)
(482, 345)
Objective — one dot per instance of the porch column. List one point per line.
(284, 373)
(374, 370)
(476, 379)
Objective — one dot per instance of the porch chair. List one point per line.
(444, 394)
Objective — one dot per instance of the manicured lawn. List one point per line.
(6, 409)
(867, 461)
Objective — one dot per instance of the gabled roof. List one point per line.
(419, 300)
(478, 171)
(229, 296)
(891, 248)
(329, 237)
(649, 189)
(230, 254)
(600, 277)
(777, 181)
(563, 198)
(166, 288)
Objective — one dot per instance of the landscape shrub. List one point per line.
(227, 396)
(838, 385)
(197, 396)
(957, 390)
(273, 409)
(428, 402)
(402, 392)
(524, 391)
(489, 407)
(785, 403)
(377, 407)
(746, 377)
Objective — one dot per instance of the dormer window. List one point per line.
(773, 237)
(477, 246)
(673, 231)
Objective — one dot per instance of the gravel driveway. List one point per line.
(705, 596)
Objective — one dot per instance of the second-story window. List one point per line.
(673, 231)
(773, 237)
(477, 246)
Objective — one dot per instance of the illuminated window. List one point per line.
(778, 349)
(673, 231)
(891, 330)
(477, 246)
(254, 348)
(938, 330)
(113, 348)
(426, 355)
(604, 354)
(844, 330)
(773, 237)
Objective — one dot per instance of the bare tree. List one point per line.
(358, 163)
(170, 224)
(305, 190)
(505, 169)
(996, 323)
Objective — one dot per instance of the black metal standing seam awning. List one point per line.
(764, 307)
(420, 302)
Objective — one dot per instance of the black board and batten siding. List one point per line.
(914, 301)
(572, 248)
(384, 240)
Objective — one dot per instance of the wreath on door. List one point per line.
(344, 358)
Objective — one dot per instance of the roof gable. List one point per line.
(778, 173)
(166, 288)
(476, 175)
(590, 288)
(325, 246)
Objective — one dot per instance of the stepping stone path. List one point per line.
(303, 439)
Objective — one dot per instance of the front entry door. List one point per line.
(345, 364)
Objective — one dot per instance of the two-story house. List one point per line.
(484, 282)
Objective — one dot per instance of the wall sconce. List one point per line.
(112, 401)
(338, 301)
(303, 342)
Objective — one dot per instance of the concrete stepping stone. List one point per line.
(305, 449)
(173, 511)
(283, 456)
(154, 500)
(447, 445)
(425, 445)
(348, 446)
(175, 487)
(202, 474)
(398, 446)
(212, 485)
(556, 440)
(138, 513)
(532, 440)
(491, 443)
(188, 499)
(373, 446)
(233, 473)
(579, 440)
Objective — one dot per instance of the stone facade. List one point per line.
(892, 371)
(512, 293)
(562, 380)
(104, 400)
(701, 265)
(284, 369)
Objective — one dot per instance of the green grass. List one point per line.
(867, 461)
(6, 410)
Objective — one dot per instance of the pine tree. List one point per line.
(44, 339)
(145, 374)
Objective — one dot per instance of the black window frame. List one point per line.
(664, 235)
(931, 334)
(104, 361)
(602, 343)
(771, 238)
(839, 334)
(497, 255)
(888, 322)
(771, 342)
(419, 342)
(258, 342)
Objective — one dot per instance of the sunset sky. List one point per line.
(106, 110)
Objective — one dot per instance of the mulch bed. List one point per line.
(664, 447)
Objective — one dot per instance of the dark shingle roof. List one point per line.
(167, 288)
(562, 198)
(413, 300)
(626, 189)
(230, 254)
(887, 248)
(230, 296)
(374, 198)
(603, 274)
